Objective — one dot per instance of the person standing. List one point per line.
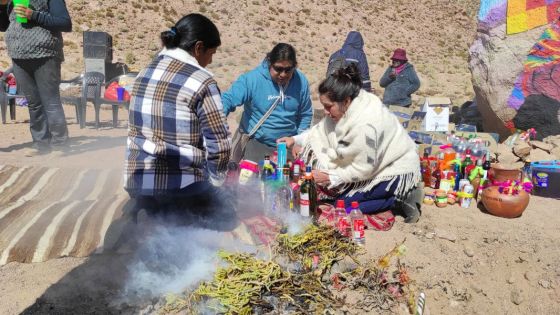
(352, 52)
(276, 101)
(399, 80)
(36, 49)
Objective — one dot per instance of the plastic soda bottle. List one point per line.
(341, 218)
(358, 224)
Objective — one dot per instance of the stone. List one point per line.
(540, 155)
(511, 280)
(556, 153)
(542, 145)
(530, 276)
(516, 297)
(446, 235)
(469, 252)
(496, 61)
(522, 149)
(544, 283)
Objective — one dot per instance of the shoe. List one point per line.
(31, 152)
(410, 206)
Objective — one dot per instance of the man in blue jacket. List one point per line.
(352, 52)
(275, 86)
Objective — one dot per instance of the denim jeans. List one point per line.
(379, 198)
(39, 80)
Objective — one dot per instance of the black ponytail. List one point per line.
(189, 30)
(342, 83)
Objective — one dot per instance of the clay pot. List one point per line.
(500, 173)
(502, 205)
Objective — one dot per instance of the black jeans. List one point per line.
(39, 80)
(199, 203)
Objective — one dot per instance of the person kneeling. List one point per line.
(359, 150)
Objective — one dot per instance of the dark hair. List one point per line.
(342, 83)
(190, 29)
(281, 52)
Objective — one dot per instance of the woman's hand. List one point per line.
(290, 143)
(288, 140)
(22, 11)
(321, 177)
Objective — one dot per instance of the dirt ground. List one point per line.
(465, 260)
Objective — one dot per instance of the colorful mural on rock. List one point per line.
(535, 93)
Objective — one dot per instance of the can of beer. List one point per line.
(467, 195)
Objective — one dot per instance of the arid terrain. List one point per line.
(465, 260)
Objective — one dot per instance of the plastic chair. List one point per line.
(91, 91)
(5, 100)
(74, 100)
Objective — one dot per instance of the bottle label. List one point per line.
(343, 226)
(358, 228)
(304, 205)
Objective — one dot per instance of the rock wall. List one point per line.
(505, 58)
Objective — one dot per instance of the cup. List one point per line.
(120, 94)
(25, 3)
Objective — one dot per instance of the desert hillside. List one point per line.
(436, 34)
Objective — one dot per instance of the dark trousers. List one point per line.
(379, 198)
(39, 80)
(199, 203)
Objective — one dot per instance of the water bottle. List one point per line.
(357, 221)
(341, 219)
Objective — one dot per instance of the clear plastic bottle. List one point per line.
(341, 218)
(357, 221)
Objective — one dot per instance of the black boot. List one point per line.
(410, 206)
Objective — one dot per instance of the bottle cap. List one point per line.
(308, 169)
(340, 203)
(355, 205)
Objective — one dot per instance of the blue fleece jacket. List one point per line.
(399, 89)
(256, 91)
(353, 51)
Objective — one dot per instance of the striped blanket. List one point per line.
(48, 213)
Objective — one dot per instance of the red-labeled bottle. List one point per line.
(357, 221)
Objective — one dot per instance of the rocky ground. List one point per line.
(465, 260)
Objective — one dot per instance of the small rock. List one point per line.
(530, 276)
(544, 283)
(469, 252)
(511, 280)
(430, 235)
(446, 235)
(476, 289)
(516, 297)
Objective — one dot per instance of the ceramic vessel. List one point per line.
(500, 173)
(503, 205)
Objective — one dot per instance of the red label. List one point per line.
(358, 228)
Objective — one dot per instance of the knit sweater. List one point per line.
(365, 147)
(41, 36)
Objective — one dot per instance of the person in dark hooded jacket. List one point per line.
(399, 80)
(353, 52)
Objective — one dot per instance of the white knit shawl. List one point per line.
(367, 146)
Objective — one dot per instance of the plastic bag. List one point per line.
(111, 93)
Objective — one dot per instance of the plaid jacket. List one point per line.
(177, 132)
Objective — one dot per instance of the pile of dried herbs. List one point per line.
(248, 285)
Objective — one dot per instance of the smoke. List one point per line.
(293, 221)
(174, 259)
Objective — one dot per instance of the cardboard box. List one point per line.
(437, 114)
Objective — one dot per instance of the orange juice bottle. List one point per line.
(448, 155)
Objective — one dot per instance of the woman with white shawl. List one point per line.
(359, 150)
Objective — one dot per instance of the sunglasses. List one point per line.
(278, 69)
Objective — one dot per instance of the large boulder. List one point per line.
(498, 61)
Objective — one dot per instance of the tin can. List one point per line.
(467, 197)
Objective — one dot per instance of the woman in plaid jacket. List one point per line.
(178, 142)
